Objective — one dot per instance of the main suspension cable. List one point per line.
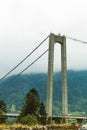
(74, 39)
(24, 59)
(30, 64)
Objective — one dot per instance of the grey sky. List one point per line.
(25, 23)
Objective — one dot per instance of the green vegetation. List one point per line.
(33, 109)
(29, 120)
(2, 112)
(31, 104)
(14, 91)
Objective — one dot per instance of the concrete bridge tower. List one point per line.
(62, 41)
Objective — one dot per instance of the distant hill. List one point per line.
(14, 91)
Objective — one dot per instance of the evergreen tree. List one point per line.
(2, 112)
(43, 115)
(42, 110)
(32, 103)
(2, 106)
(33, 109)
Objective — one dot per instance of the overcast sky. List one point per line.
(25, 23)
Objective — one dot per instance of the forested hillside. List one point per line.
(13, 91)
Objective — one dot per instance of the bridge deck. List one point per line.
(70, 116)
(54, 116)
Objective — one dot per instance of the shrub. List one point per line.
(29, 120)
(2, 117)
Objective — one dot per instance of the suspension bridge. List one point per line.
(53, 39)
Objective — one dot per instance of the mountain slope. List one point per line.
(14, 91)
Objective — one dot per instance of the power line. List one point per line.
(31, 64)
(24, 59)
(74, 39)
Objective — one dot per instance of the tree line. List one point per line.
(32, 111)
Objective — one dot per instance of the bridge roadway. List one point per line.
(70, 117)
(14, 115)
(57, 118)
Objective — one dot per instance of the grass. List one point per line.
(55, 126)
